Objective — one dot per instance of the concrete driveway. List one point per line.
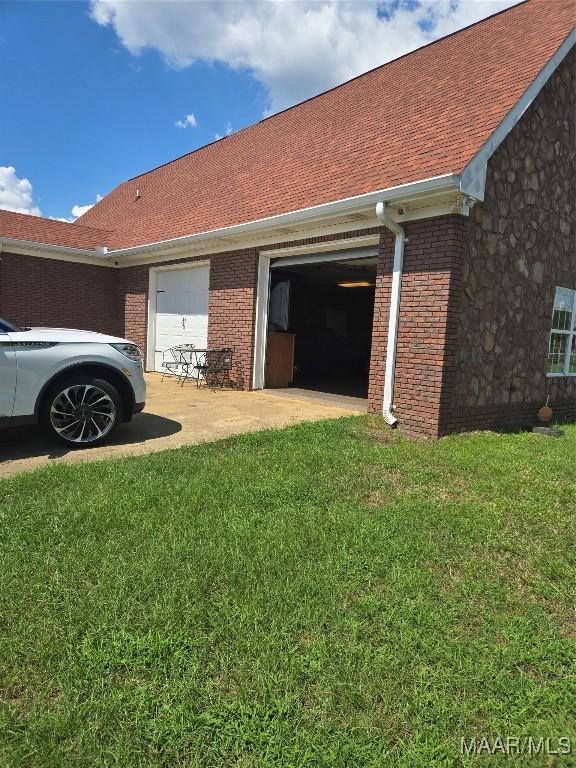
(174, 416)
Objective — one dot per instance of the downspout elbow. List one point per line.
(389, 417)
(400, 235)
(388, 221)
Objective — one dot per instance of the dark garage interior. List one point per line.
(320, 317)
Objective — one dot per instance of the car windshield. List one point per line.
(6, 327)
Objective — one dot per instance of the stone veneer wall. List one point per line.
(520, 245)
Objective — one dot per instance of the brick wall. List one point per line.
(51, 292)
(132, 292)
(380, 323)
(427, 325)
(232, 300)
(231, 308)
(476, 301)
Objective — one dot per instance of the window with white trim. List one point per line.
(562, 349)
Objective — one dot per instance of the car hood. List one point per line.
(69, 335)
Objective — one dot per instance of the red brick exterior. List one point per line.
(132, 295)
(476, 295)
(116, 301)
(51, 292)
(232, 300)
(232, 307)
(132, 292)
(427, 324)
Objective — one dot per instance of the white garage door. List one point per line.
(181, 309)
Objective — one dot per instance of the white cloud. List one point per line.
(80, 210)
(189, 121)
(16, 194)
(295, 49)
(227, 132)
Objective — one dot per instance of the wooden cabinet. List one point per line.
(279, 359)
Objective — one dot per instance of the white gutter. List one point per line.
(434, 184)
(93, 253)
(396, 229)
(446, 182)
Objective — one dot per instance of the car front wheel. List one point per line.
(83, 412)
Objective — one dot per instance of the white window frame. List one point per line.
(570, 334)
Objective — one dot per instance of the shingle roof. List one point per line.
(422, 115)
(21, 226)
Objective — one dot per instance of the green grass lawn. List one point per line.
(327, 595)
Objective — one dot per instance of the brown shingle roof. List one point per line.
(21, 226)
(419, 116)
(422, 115)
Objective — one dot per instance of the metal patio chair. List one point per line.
(213, 366)
(174, 359)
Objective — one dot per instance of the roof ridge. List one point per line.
(328, 90)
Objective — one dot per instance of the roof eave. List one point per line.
(49, 250)
(357, 212)
(318, 213)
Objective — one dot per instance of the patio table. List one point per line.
(197, 363)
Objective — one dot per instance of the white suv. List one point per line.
(80, 385)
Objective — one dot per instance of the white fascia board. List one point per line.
(264, 239)
(473, 177)
(256, 241)
(251, 230)
(445, 182)
(48, 251)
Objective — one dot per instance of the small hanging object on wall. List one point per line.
(545, 415)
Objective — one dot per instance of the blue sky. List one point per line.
(80, 114)
(90, 94)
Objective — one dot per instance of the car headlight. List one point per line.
(130, 351)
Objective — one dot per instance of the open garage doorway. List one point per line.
(320, 317)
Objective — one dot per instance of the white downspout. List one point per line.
(393, 226)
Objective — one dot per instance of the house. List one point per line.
(413, 229)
